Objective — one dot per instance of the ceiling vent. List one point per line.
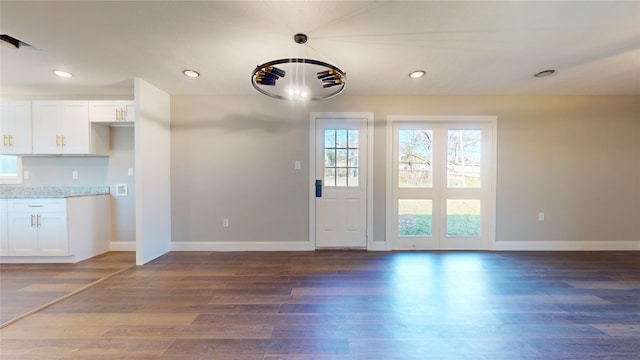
(6, 39)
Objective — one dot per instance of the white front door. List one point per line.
(442, 181)
(340, 175)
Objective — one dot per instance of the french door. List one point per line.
(441, 181)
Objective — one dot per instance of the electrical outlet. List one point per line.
(130, 172)
(225, 223)
(540, 216)
(74, 174)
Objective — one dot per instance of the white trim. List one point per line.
(492, 185)
(242, 246)
(371, 245)
(567, 245)
(122, 246)
(38, 259)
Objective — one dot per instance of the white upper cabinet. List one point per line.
(62, 127)
(15, 127)
(112, 113)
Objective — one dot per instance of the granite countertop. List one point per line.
(17, 192)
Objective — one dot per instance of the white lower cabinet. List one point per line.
(38, 227)
(57, 229)
(4, 234)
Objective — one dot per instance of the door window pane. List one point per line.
(463, 218)
(341, 176)
(463, 158)
(415, 158)
(341, 158)
(415, 217)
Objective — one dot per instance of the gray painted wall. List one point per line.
(574, 157)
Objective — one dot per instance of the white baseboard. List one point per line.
(566, 245)
(382, 246)
(38, 259)
(122, 246)
(242, 246)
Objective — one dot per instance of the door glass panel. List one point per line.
(415, 217)
(353, 176)
(341, 158)
(415, 158)
(330, 139)
(329, 177)
(341, 139)
(353, 139)
(329, 157)
(463, 158)
(341, 176)
(463, 218)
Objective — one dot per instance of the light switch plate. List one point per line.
(130, 172)
(298, 165)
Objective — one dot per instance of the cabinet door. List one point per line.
(129, 110)
(4, 234)
(111, 112)
(46, 135)
(23, 234)
(15, 126)
(52, 233)
(74, 127)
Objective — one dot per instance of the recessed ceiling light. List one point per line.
(417, 74)
(191, 73)
(62, 74)
(545, 73)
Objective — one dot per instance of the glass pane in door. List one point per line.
(463, 158)
(415, 158)
(415, 217)
(463, 218)
(341, 158)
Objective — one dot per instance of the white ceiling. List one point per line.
(471, 47)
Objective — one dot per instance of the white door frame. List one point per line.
(491, 186)
(312, 169)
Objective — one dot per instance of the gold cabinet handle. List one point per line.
(57, 140)
(63, 138)
(4, 140)
(10, 140)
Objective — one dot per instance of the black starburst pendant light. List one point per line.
(299, 78)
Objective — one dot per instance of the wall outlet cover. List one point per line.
(121, 190)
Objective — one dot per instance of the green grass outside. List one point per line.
(421, 225)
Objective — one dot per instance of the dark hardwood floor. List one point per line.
(347, 305)
(26, 287)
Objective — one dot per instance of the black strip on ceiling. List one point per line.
(13, 41)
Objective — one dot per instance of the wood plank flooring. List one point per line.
(25, 287)
(347, 305)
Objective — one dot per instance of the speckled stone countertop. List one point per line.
(17, 192)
